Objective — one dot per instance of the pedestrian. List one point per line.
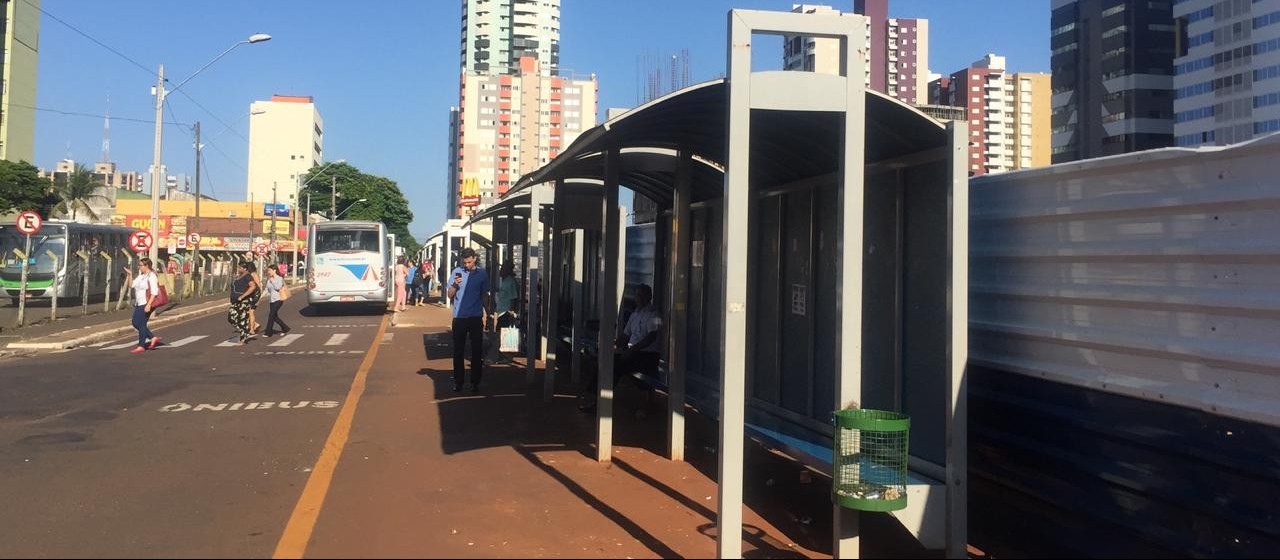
(402, 273)
(254, 299)
(430, 271)
(145, 289)
(274, 286)
(421, 282)
(411, 282)
(469, 291)
(242, 290)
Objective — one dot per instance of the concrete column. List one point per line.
(532, 259)
(579, 301)
(551, 296)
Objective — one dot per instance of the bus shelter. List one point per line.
(813, 248)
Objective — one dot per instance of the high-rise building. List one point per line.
(21, 29)
(1008, 114)
(286, 138)
(451, 208)
(1228, 59)
(496, 34)
(509, 125)
(897, 62)
(1112, 63)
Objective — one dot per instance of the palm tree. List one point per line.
(76, 190)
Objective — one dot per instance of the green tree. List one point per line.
(75, 192)
(384, 202)
(22, 188)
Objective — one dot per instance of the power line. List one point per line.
(93, 115)
(87, 36)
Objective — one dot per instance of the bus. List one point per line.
(64, 240)
(347, 263)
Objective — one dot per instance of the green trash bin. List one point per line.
(870, 465)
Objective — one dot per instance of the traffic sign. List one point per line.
(140, 241)
(193, 238)
(260, 249)
(29, 222)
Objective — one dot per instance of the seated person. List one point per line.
(639, 347)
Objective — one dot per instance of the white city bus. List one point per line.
(347, 263)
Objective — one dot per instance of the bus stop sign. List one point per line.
(29, 222)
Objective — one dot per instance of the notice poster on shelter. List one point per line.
(698, 253)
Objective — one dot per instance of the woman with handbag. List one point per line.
(243, 289)
(146, 289)
(277, 292)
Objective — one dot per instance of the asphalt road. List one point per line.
(195, 449)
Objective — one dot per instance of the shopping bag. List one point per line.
(510, 340)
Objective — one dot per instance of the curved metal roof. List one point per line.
(794, 145)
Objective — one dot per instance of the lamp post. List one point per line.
(156, 176)
(353, 204)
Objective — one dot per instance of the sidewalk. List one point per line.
(429, 472)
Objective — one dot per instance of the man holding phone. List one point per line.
(469, 292)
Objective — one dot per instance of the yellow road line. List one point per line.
(293, 543)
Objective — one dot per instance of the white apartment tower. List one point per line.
(286, 138)
(496, 34)
(1226, 71)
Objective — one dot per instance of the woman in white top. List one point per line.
(145, 289)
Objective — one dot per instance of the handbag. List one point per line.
(162, 298)
(510, 339)
(284, 292)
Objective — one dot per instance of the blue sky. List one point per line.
(385, 72)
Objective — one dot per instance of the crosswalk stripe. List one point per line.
(184, 341)
(286, 340)
(337, 339)
(119, 346)
(98, 344)
(227, 344)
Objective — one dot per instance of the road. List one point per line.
(202, 445)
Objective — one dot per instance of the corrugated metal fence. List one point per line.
(1100, 290)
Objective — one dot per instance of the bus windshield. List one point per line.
(39, 261)
(347, 241)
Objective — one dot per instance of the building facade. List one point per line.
(496, 34)
(1007, 113)
(897, 62)
(21, 29)
(1112, 63)
(1226, 70)
(286, 138)
(509, 125)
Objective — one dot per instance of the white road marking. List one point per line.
(120, 346)
(183, 342)
(386, 338)
(264, 405)
(286, 340)
(227, 344)
(337, 339)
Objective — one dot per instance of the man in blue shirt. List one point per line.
(469, 292)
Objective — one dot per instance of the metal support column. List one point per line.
(579, 302)
(677, 306)
(608, 307)
(551, 294)
(737, 212)
(957, 403)
(533, 258)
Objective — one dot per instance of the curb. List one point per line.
(116, 332)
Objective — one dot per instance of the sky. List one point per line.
(385, 72)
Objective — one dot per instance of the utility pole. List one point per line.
(333, 197)
(274, 211)
(156, 177)
(197, 275)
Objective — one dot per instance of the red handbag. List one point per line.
(162, 298)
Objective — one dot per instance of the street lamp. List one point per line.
(155, 161)
(352, 205)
